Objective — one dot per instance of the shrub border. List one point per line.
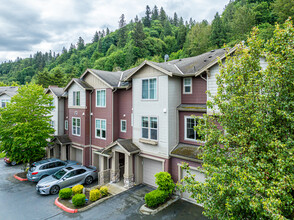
(64, 208)
(19, 178)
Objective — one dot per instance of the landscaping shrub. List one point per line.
(95, 194)
(104, 191)
(78, 189)
(79, 200)
(155, 198)
(164, 182)
(65, 193)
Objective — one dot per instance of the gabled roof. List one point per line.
(62, 139)
(79, 82)
(56, 91)
(191, 66)
(8, 90)
(126, 144)
(187, 151)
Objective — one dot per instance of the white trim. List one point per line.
(100, 129)
(149, 128)
(76, 126)
(100, 106)
(178, 69)
(185, 130)
(74, 98)
(191, 85)
(157, 87)
(123, 120)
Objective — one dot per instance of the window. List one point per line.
(59, 164)
(149, 128)
(190, 133)
(100, 128)
(51, 103)
(4, 103)
(66, 124)
(76, 98)
(101, 98)
(52, 124)
(123, 125)
(149, 89)
(76, 126)
(187, 85)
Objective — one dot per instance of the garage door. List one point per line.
(198, 176)
(150, 168)
(79, 156)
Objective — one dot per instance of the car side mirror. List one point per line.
(64, 178)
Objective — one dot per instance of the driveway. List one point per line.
(20, 201)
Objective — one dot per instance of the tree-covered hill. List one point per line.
(150, 37)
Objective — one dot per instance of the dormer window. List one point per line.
(187, 85)
(76, 98)
(149, 89)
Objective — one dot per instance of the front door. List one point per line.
(67, 152)
(121, 165)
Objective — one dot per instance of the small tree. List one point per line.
(249, 167)
(25, 124)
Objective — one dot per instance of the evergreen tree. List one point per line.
(217, 31)
(136, 19)
(181, 22)
(155, 15)
(147, 19)
(138, 35)
(162, 15)
(107, 31)
(96, 37)
(181, 37)
(176, 19)
(80, 44)
(122, 21)
(64, 50)
(167, 30)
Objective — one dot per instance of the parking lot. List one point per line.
(19, 200)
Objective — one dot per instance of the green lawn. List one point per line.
(2, 155)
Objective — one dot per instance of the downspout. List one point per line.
(113, 91)
(90, 132)
(203, 77)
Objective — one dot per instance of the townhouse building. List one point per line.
(133, 124)
(6, 93)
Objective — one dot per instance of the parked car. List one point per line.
(67, 177)
(8, 162)
(41, 169)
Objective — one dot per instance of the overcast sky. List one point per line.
(28, 26)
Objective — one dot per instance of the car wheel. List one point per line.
(13, 163)
(89, 180)
(54, 190)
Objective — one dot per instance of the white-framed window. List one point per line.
(66, 124)
(123, 125)
(100, 98)
(76, 98)
(190, 133)
(76, 126)
(4, 103)
(149, 89)
(150, 128)
(187, 85)
(100, 128)
(52, 124)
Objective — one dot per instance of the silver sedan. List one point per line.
(67, 177)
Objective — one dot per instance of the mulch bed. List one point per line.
(22, 175)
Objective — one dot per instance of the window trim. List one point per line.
(74, 100)
(191, 83)
(156, 94)
(66, 125)
(100, 129)
(100, 106)
(149, 128)
(4, 101)
(121, 121)
(185, 128)
(72, 126)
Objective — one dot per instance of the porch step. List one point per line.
(115, 188)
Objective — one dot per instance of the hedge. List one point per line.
(65, 193)
(95, 194)
(79, 200)
(78, 189)
(155, 198)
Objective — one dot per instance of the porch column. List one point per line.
(63, 152)
(129, 173)
(114, 173)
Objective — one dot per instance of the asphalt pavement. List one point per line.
(20, 201)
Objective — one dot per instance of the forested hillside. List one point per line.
(150, 38)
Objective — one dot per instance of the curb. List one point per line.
(64, 208)
(19, 178)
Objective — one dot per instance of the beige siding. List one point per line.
(94, 81)
(75, 87)
(148, 71)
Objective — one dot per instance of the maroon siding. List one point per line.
(86, 156)
(102, 113)
(198, 96)
(123, 109)
(174, 166)
(182, 126)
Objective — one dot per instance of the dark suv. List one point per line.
(39, 170)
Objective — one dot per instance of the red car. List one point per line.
(8, 162)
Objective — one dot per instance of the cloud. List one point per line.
(30, 26)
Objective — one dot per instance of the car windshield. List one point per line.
(32, 167)
(59, 174)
